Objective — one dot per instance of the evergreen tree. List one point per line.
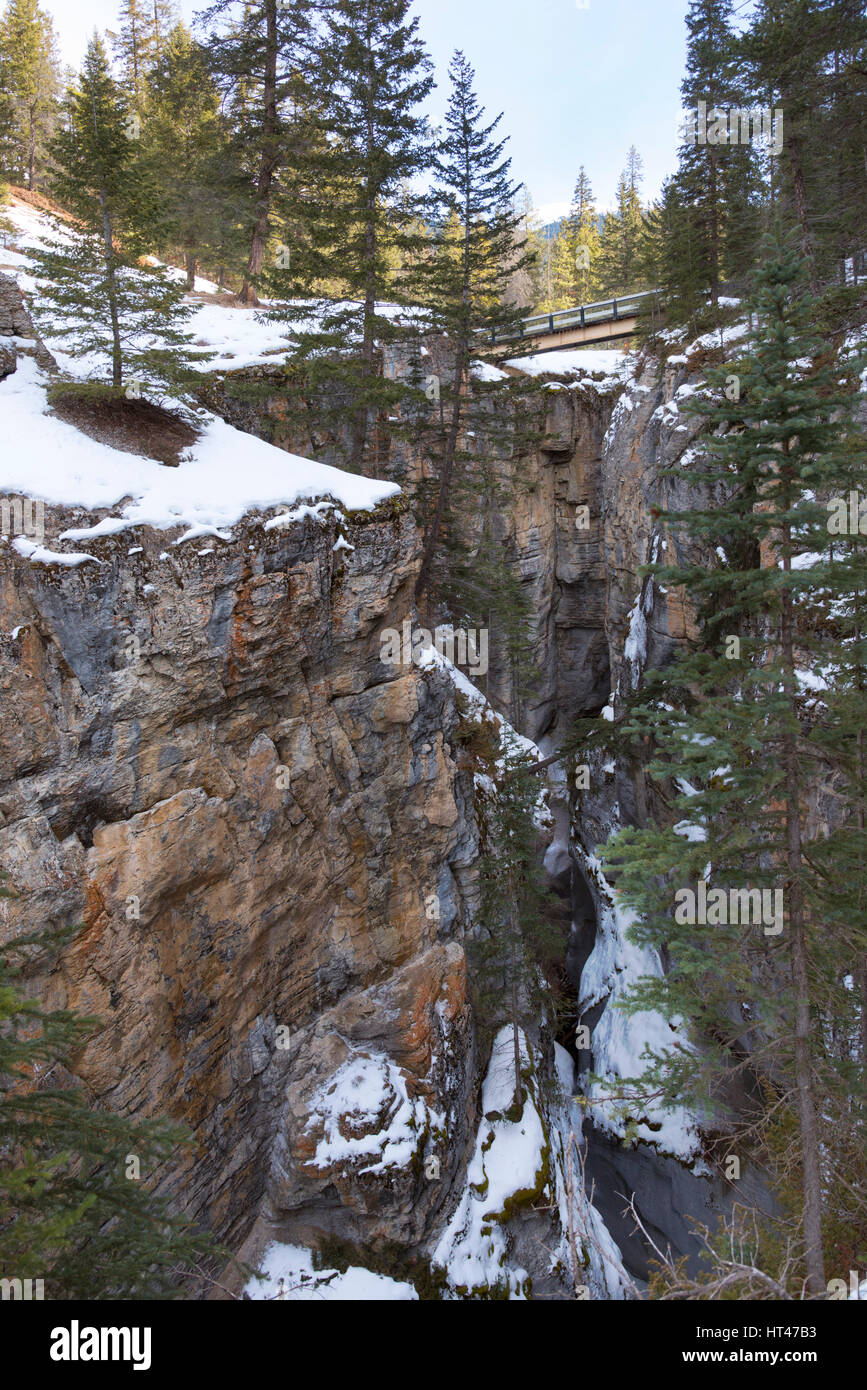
(584, 240)
(731, 728)
(807, 57)
(465, 281)
(515, 941)
(30, 84)
(140, 43)
(352, 192)
(7, 226)
(95, 294)
(186, 149)
(620, 243)
(574, 254)
(264, 57)
(710, 209)
(76, 1202)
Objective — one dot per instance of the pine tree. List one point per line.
(140, 43)
(95, 295)
(620, 243)
(806, 57)
(465, 281)
(584, 240)
(264, 57)
(7, 226)
(30, 83)
(352, 191)
(731, 728)
(186, 150)
(514, 939)
(77, 1207)
(711, 206)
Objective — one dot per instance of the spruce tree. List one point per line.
(711, 207)
(186, 150)
(736, 755)
(584, 240)
(514, 939)
(620, 242)
(30, 84)
(140, 43)
(352, 192)
(464, 283)
(262, 53)
(807, 58)
(94, 293)
(574, 255)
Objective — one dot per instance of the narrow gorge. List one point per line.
(268, 840)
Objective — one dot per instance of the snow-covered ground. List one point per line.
(290, 1276)
(602, 368)
(222, 476)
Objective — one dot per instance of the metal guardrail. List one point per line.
(607, 311)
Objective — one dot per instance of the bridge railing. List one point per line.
(607, 310)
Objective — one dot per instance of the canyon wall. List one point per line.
(269, 837)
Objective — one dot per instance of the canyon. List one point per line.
(268, 841)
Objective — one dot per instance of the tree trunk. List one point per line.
(462, 361)
(793, 145)
(269, 161)
(516, 1041)
(446, 476)
(811, 1169)
(191, 263)
(31, 151)
(108, 251)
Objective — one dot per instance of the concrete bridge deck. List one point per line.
(607, 321)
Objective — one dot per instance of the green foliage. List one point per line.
(29, 91)
(737, 743)
(186, 151)
(349, 201)
(515, 939)
(96, 296)
(619, 262)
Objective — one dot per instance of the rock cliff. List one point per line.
(269, 838)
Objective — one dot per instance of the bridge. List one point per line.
(607, 321)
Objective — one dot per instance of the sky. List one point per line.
(578, 81)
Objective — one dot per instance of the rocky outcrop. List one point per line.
(17, 334)
(267, 837)
(204, 763)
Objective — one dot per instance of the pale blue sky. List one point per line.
(576, 85)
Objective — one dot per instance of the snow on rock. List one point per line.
(227, 474)
(364, 1114)
(290, 1275)
(619, 1039)
(487, 372)
(612, 367)
(38, 555)
(478, 709)
(509, 1167)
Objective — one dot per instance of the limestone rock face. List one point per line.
(204, 762)
(266, 833)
